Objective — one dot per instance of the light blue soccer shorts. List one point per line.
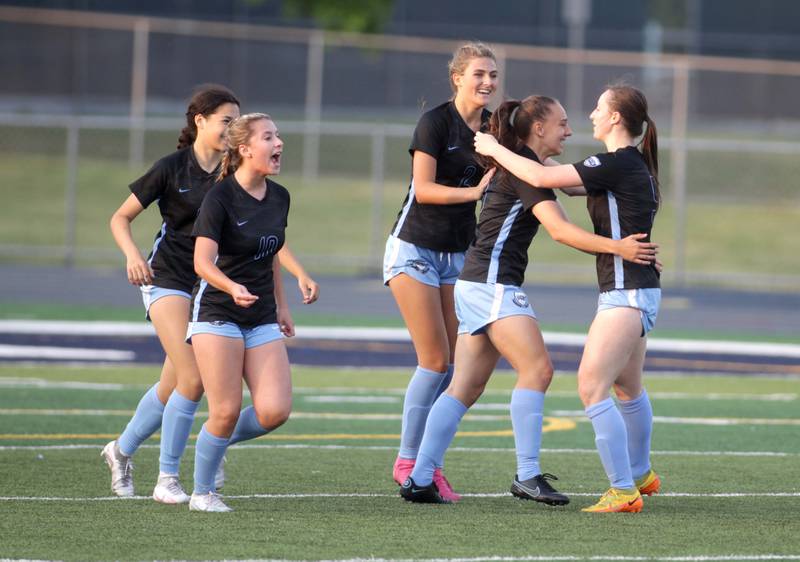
(426, 266)
(480, 304)
(151, 293)
(253, 337)
(646, 301)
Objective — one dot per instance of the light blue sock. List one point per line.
(208, 454)
(442, 425)
(175, 429)
(144, 423)
(420, 395)
(247, 427)
(638, 417)
(526, 418)
(448, 376)
(612, 442)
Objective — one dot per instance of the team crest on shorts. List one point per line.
(420, 265)
(592, 162)
(520, 299)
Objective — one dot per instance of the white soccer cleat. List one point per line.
(210, 502)
(219, 476)
(169, 490)
(121, 470)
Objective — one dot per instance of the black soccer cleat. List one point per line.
(538, 489)
(410, 492)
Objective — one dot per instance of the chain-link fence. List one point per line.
(89, 100)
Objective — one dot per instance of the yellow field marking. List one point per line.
(550, 424)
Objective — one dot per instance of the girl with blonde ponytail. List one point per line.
(239, 312)
(623, 197)
(178, 182)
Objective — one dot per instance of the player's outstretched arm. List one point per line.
(554, 220)
(527, 170)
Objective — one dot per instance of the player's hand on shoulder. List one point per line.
(242, 297)
(285, 322)
(139, 271)
(309, 289)
(485, 143)
(632, 250)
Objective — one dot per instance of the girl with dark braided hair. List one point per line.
(178, 182)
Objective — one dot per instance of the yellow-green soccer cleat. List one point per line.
(616, 500)
(649, 484)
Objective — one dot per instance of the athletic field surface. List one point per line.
(727, 449)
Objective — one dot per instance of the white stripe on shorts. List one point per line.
(499, 290)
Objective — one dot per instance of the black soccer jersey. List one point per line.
(621, 198)
(443, 134)
(179, 184)
(506, 227)
(249, 233)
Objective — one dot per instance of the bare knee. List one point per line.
(438, 363)
(590, 390)
(467, 394)
(191, 389)
(222, 421)
(536, 377)
(274, 417)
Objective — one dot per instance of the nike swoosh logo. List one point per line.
(184, 189)
(534, 492)
(415, 490)
(241, 223)
(451, 148)
(632, 501)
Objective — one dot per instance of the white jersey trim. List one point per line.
(613, 214)
(505, 230)
(157, 242)
(406, 209)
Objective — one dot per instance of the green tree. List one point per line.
(363, 16)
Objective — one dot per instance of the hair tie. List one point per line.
(513, 114)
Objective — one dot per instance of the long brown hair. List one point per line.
(511, 123)
(632, 107)
(205, 101)
(237, 134)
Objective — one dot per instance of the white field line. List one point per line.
(572, 415)
(394, 334)
(508, 450)
(365, 394)
(351, 495)
(70, 353)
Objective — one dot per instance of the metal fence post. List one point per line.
(376, 217)
(71, 192)
(680, 117)
(141, 37)
(313, 110)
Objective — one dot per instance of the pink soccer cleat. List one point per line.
(402, 469)
(445, 489)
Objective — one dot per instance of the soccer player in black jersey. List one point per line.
(425, 251)
(623, 197)
(239, 312)
(495, 316)
(178, 182)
